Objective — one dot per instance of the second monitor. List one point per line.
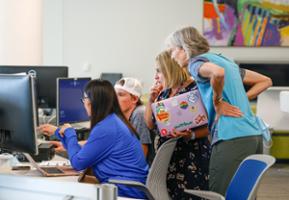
(45, 78)
(69, 106)
(111, 77)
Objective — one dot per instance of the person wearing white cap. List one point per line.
(129, 91)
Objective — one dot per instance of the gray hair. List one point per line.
(190, 40)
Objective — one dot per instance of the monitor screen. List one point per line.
(45, 81)
(70, 109)
(111, 77)
(18, 113)
(278, 72)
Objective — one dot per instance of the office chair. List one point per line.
(245, 182)
(156, 183)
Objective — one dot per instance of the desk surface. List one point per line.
(33, 172)
(21, 182)
(34, 188)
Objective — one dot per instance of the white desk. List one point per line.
(14, 187)
(29, 184)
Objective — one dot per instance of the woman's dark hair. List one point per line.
(103, 102)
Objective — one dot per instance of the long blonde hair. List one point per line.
(190, 40)
(174, 75)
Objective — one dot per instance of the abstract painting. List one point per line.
(251, 23)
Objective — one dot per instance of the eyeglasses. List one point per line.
(83, 99)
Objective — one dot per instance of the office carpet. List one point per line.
(275, 183)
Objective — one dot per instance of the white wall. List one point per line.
(52, 32)
(21, 32)
(126, 35)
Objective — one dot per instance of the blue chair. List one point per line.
(245, 182)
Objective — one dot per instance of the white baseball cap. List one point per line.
(131, 85)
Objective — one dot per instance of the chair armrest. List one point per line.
(205, 194)
(134, 184)
(126, 182)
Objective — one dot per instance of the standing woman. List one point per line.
(189, 163)
(233, 127)
(112, 149)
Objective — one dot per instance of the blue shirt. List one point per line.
(233, 92)
(112, 151)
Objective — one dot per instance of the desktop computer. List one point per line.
(44, 80)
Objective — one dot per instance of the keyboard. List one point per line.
(64, 163)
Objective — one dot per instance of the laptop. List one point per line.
(52, 171)
(181, 112)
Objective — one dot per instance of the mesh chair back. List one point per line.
(157, 177)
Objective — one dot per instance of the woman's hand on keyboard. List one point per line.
(47, 129)
(63, 128)
(58, 147)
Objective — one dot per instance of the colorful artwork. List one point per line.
(246, 22)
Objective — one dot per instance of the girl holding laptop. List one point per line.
(190, 160)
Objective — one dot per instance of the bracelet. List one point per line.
(193, 135)
(219, 99)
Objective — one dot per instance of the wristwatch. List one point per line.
(193, 135)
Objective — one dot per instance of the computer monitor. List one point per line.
(70, 109)
(278, 72)
(268, 108)
(18, 113)
(45, 81)
(111, 77)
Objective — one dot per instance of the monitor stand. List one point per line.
(47, 116)
(45, 152)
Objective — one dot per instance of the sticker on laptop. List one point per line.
(200, 119)
(184, 105)
(193, 97)
(162, 114)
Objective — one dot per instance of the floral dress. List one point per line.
(189, 165)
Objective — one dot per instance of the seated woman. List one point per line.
(112, 149)
(129, 91)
